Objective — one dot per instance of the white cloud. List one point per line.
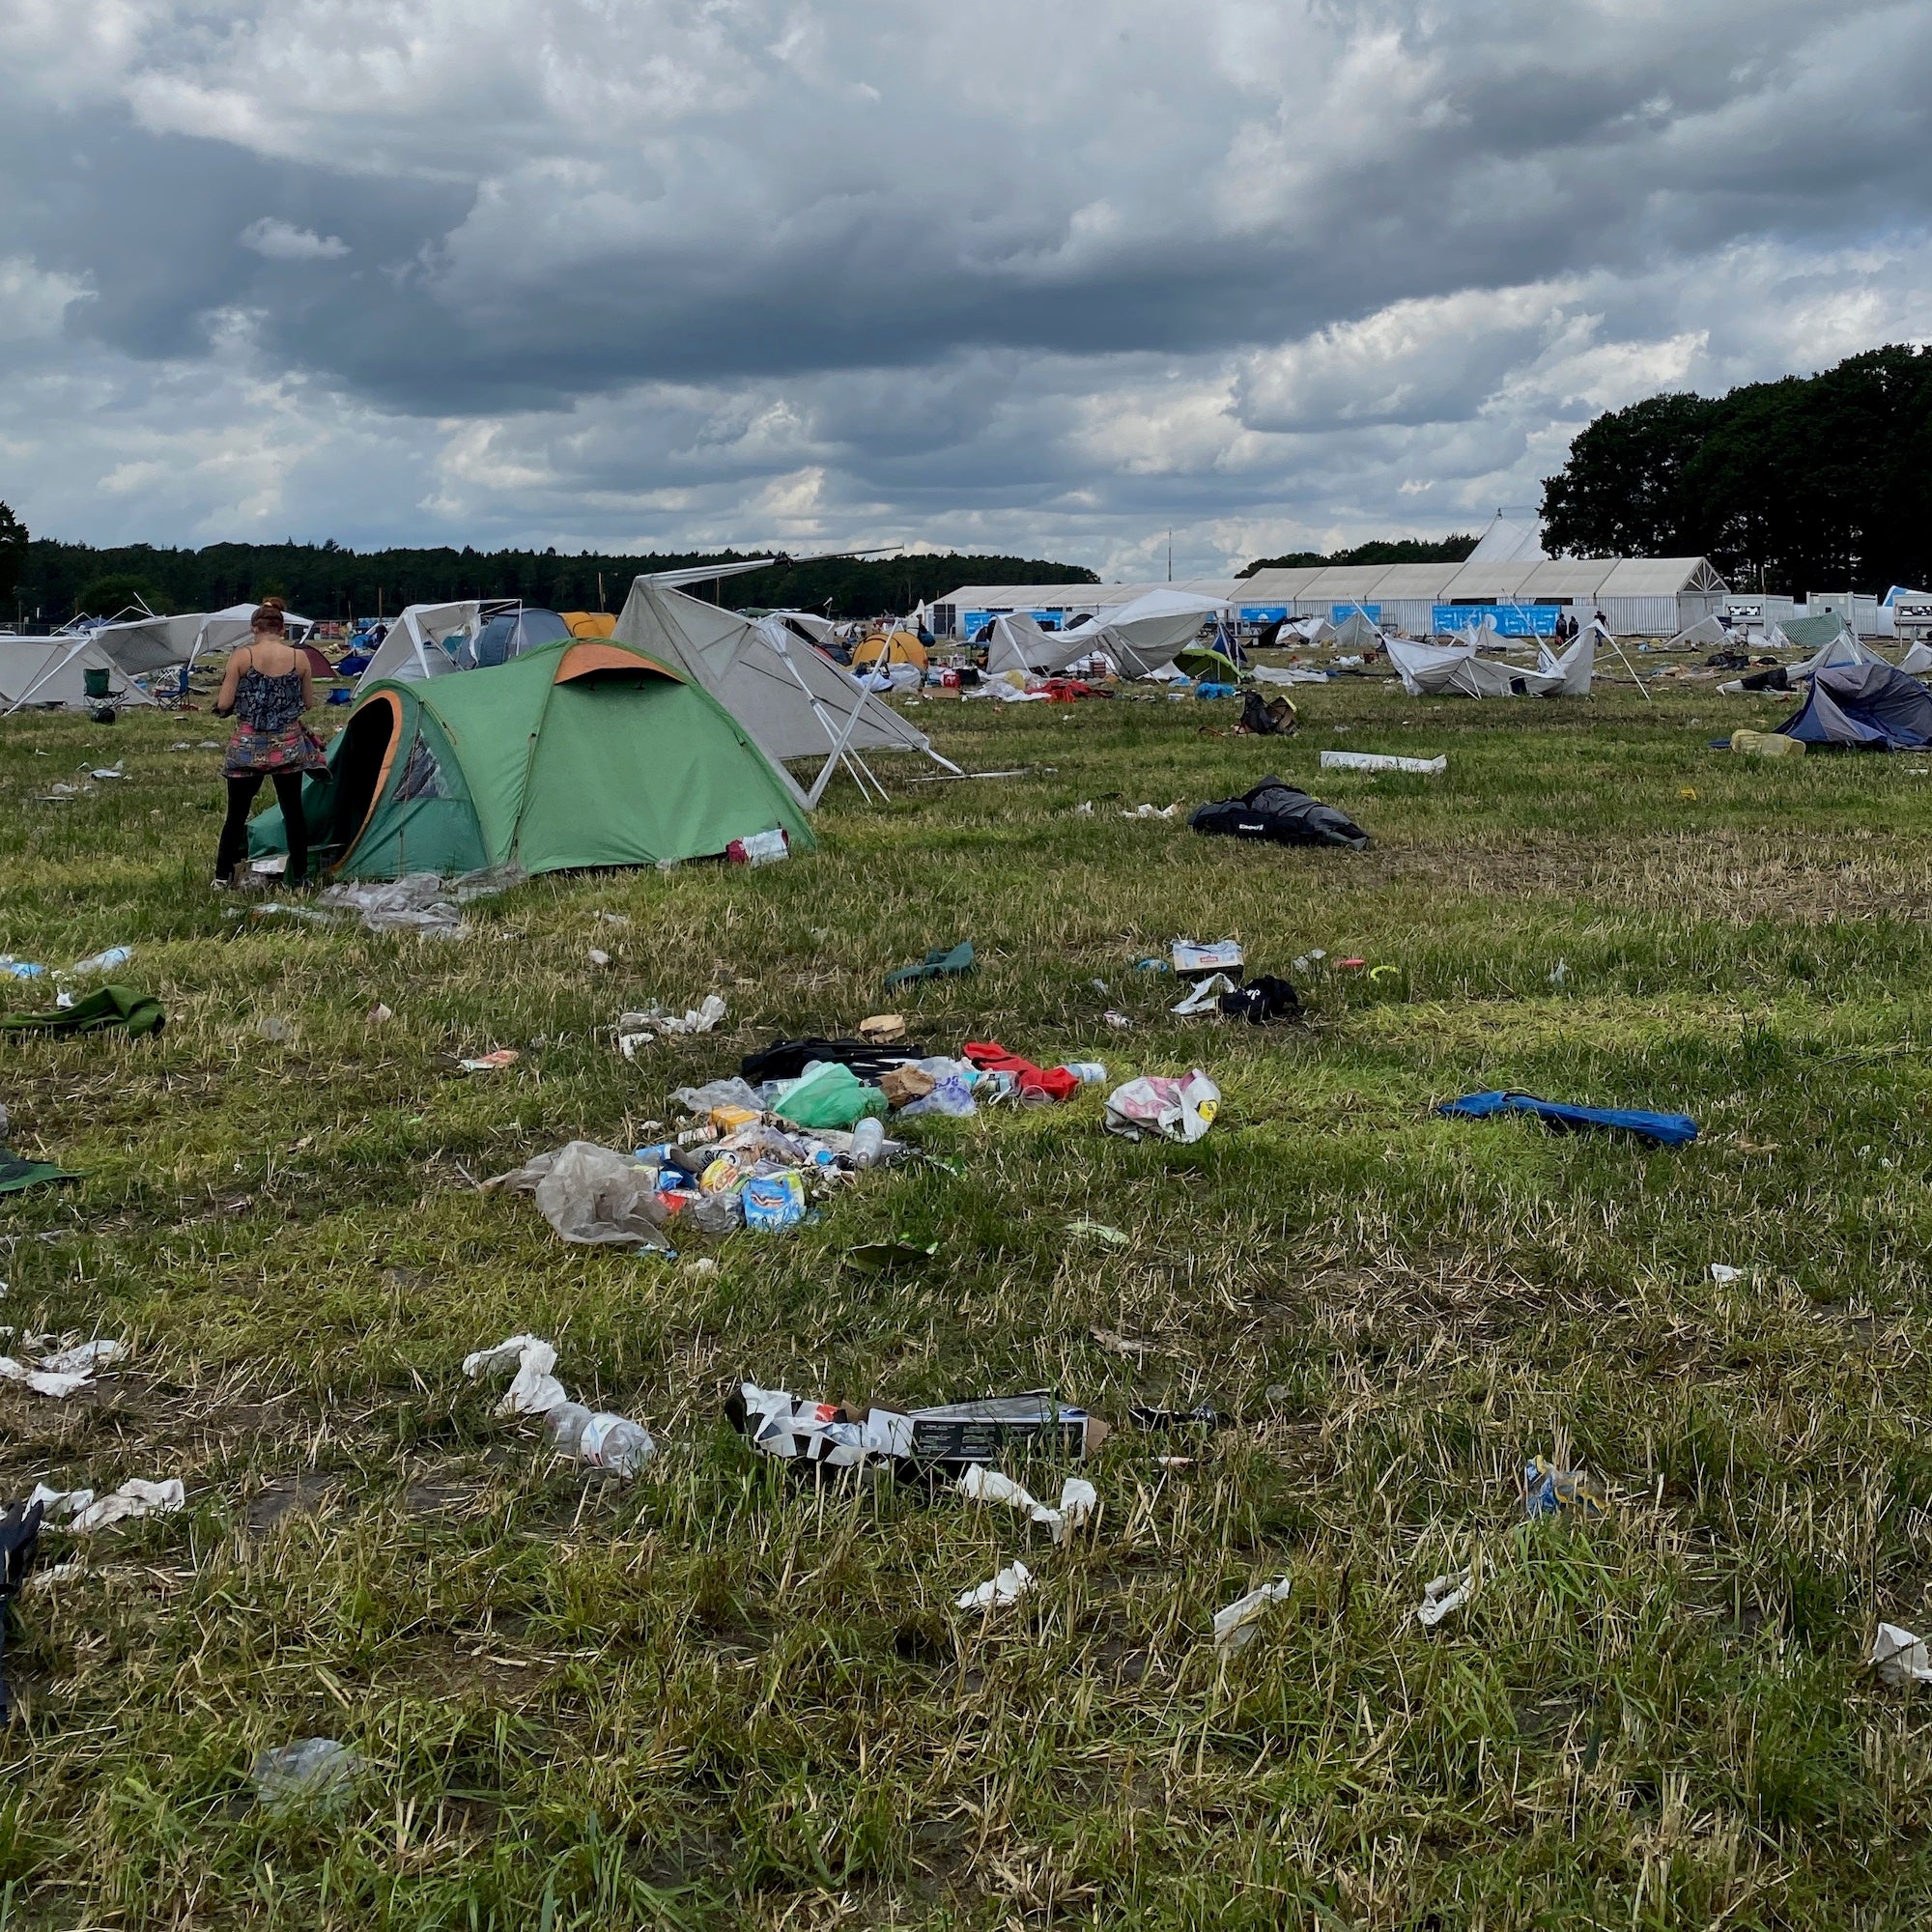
(277, 241)
(1045, 279)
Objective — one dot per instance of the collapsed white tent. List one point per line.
(50, 671)
(1150, 631)
(1430, 669)
(140, 645)
(1705, 632)
(791, 702)
(1019, 643)
(413, 650)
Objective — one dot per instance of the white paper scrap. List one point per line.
(1010, 1585)
(1235, 1626)
(533, 1390)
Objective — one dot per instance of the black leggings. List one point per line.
(234, 846)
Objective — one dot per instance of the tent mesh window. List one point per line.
(422, 777)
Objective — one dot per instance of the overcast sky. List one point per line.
(1019, 276)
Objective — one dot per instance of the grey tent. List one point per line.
(52, 672)
(142, 644)
(793, 702)
(1706, 634)
(1434, 669)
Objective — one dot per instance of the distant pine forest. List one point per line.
(58, 581)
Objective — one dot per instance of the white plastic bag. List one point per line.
(1177, 1110)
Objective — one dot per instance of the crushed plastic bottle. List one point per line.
(762, 848)
(104, 962)
(314, 1773)
(598, 1438)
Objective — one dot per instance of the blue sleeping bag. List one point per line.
(1665, 1129)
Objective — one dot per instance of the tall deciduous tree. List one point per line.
(1805, 483)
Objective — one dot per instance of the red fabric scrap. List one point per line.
(1056, 1083)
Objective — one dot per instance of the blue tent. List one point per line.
(1868, 705)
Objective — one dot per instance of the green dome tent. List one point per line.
(582, 752)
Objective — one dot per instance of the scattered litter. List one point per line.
(1202, 1416)
(105, 1009)
(491, 1062)
(882, 1257)
(422, 902)
(1152, 811)
(598, 1440)
(1559, 973)
(1724, 1276)
(903, 1085)
(107, 772)
(599, 957)
(104, 962)
(1350, 965)
(1177, 1110)
(83, 1512)
(939, 960)
(1261, 1000)
(695, 1020)
(1009, 1586)
(18, 1175)
(533, 1389)
(1118, 1345)
(1766, 745)
(762, 848)
(1308, 961)
(1900, 1658)
(1078, 1498)
(628, 1044)
(1281, 815)
(279, 909)
(1443, 1595)
(774, 1200)
(591, 1195)
(829, 1095)
(65, 1374)
(1664, 1129)
(845, 1436)
(1546, 1490)
(1020, 1077)
(617, 919)
(1239, 1625)
(378, 1014)
(1119, 1022)
(882, 1029)
(1205, 997)
(1099, 1230)
(22, 969)
(277, 1031)
(1152, 966)
(314, 1773)
(1375, 761)
(1224, 955)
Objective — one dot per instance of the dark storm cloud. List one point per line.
(896, 264)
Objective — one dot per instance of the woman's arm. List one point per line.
(224, 698)
(309, 684)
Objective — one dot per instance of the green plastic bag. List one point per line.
(829, 1095)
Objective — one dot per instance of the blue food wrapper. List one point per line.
(774, 1200)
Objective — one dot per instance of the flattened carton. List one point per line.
(986, 1428)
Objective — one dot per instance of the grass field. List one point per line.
(719, 1698)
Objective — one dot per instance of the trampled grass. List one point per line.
(719, 1698)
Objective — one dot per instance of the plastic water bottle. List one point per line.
(868, 1141)
(600, 1440)
(1089, 1072)
(106, 962)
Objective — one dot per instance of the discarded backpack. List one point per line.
(20, 1539)
(1265, 719)
(1281, 815)
(787, 1058)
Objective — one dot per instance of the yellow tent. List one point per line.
(901, 647)
(589, 623)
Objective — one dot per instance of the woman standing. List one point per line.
(267, 688)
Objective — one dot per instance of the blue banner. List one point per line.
(1340, 614)
(1511, 620)
(1263, 613)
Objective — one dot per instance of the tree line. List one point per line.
(1810, 482)
(1380, 550)
(53, 582)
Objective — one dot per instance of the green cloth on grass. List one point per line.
(16, 1173)
(139, 1013)
(959, 960)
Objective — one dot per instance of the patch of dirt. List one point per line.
(305, 1492)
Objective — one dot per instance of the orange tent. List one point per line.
(901, 647)
(589, 623)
